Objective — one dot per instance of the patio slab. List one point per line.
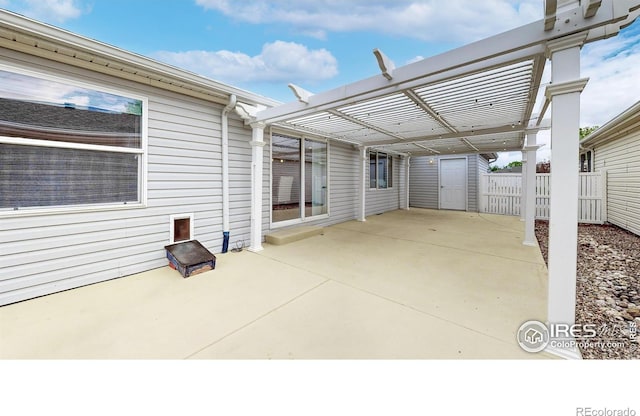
(390, 287)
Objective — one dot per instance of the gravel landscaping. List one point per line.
(608, 289)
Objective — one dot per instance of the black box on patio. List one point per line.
(190, 258)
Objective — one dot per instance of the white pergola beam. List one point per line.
(468, 134)
(468, 143)
(301, 94)
(379, 86)
(365, 124)
(590, 7)
(550, 10)
(427, 108)
(386, 65)
(510, 46)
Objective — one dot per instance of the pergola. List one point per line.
(479, 98)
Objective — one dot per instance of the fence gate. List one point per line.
(500, 193)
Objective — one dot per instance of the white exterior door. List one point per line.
(453, 184)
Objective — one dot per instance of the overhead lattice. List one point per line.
(476, 99)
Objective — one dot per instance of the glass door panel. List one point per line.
(315, 178)
(286, 173)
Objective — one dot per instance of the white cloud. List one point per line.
(278, 62)
(614, 84)
(429, 20)
(48, 10)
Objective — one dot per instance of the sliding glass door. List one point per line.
(315, 178)
(299, 190)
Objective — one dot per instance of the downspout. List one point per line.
(225, 172)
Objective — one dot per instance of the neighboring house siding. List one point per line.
(379, 201)
(621, 159)
(483, 165)
(423, 182)
(43, 254)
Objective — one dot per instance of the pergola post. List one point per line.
(362, 194)
(564, 92)
(529, 178)
(257, 154)
(523, 187)
(407, 167)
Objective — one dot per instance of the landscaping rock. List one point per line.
(607, 287)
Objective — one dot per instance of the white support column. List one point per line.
(363, 184)
(257, 154)
(563, 219)
(407, 168)
(523, 187)
(529, 177)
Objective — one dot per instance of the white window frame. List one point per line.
(142, 151)
(377, 187)
(303, 218)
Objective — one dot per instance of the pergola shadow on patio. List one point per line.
(416, 284)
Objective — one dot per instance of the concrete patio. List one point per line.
(418, 284)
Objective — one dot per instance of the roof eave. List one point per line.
(624, 120)
(26, 35)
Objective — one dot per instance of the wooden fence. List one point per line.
(500, 193)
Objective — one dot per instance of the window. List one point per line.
(64, 145)
(380, 170)
(585, 162)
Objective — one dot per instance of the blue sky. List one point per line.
(261, 46)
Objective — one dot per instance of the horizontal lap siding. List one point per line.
(423, 183)
(621, 159)
(379, 201)
(483, 169)
(472, 183)
(402, 184)
(239, 182)
(343, 181)
(48, 253)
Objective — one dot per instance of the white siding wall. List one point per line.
(402, 183)
(239, 182)
(379, 201)
(621, 159)
(423, 180)
(49, 253)
(423, 190)
(344, 181)
(472, 183)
